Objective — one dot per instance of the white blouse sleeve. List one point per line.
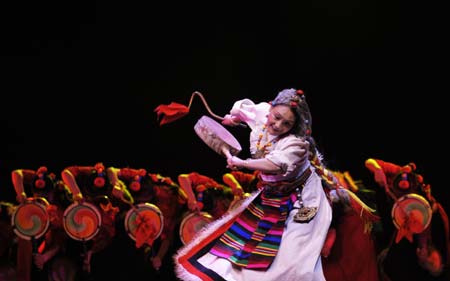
(290, 154)
(249, 112)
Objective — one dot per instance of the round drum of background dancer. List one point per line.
(144, 215)
(412, 211)
(192, 224)
(82, 221)
(30, 219)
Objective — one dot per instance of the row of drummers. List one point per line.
(88, 202)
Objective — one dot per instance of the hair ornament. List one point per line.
(100, 179)
(200, 204)
(426, 188)
(99, 167)
(155, 177)
(42, 170)
(295, 99)
(406, 169)
(99, 182)
(404, 183)
(419, 178)
(40, 181)
(135, 185)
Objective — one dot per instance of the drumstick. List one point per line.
(209, 109)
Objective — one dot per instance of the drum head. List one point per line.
(82, 221)
(146, 213)
(414, 210)
(30, 220)
(192, 224)
(216, 136)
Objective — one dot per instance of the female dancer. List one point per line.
(278, 232)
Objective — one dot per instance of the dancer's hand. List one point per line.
(230, 120)
(235, 163)
(193, 206)
(156, 262)
(40, 260)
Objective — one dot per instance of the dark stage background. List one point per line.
(80, 81)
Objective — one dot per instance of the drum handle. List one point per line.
(34, 245)
(196, 93)
(226, 152)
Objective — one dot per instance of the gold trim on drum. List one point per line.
(192, 224)
(82, 221)
(414, 210)
(147, 211)
(30, 220)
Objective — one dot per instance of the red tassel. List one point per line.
(41, 247)
(171, 112)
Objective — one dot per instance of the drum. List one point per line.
(144, 213)
(217, 137)
(30, 220)
(82, 221)
(414, 210)
(192, 224)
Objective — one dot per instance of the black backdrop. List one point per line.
(80, 81)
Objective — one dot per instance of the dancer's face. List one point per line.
(281, 120)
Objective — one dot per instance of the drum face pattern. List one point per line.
(192, 224)
(148, 214)
(216, 136)
(30, 220)
(413, 210)
(82, 221)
